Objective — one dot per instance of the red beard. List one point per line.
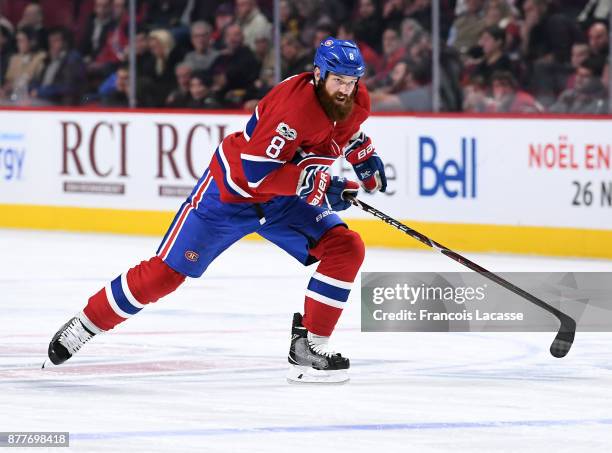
(336, 110)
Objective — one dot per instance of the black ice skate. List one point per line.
(310, 358)
(67, 341)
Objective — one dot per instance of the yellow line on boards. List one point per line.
(470, 237)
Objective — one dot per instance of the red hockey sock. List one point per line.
(341, 252)
(127, 294)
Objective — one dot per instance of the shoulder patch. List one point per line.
(285, 131)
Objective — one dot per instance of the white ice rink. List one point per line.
(204, 369)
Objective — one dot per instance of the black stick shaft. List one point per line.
(563, 318)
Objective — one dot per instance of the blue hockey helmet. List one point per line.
(340, 57)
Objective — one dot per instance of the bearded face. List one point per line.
(337, 95)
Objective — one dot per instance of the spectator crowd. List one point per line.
(519, 56)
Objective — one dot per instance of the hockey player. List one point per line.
(271, 178)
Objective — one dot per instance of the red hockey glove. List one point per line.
(368, 167)
(330, 190)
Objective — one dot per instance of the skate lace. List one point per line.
(322, 349)
(74, 337)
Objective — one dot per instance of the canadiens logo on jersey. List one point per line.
(285, 131)
(191, 256)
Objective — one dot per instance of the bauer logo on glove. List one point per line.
(322, 183)
(368, 166)
(330, 191)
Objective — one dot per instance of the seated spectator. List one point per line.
(409, 30)
(235, 69)
(419, 51)
(224, 16)
(33, 17)
(161, 44)
(25, 66)
(264, 52)
(145, 69)
(266, 80)
(599, 41)
(180, 95)
(492, 41)
(410, 90)
(201, 96)
(393, 51)
(252, 21)
(203, 54)
(467, 28)
(547, 38)
(62, 80)
(115, 48)
(589, 95)
(507, 98)
(115, 90)
(98, 26)
(580, 52)
(6, 50)
(294, 58)
(498, 12)
(474, 95)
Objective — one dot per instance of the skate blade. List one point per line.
(48, 364)
(307, 375)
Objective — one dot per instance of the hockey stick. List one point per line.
(565, 337)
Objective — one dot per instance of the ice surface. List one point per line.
(204, 369)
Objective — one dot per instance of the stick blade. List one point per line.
(564, 340)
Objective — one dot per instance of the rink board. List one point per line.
(477, 238)
(522, 185)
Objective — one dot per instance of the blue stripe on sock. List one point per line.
(327, 290)
(120, 298)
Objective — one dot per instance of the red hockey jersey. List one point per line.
(256, 165)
